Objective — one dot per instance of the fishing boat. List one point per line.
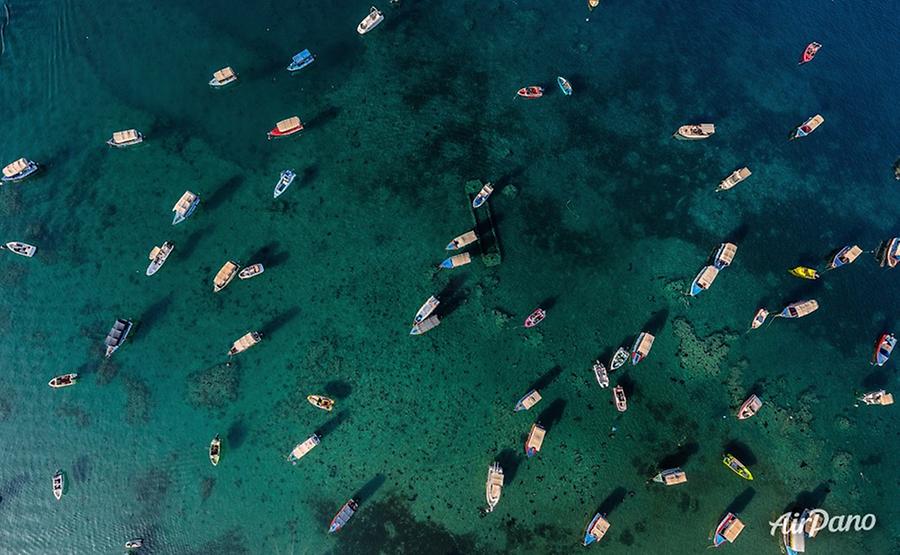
(846, 255)
(736, 177)
(529, 400)
(737, 466)
(158, 256)
(619, 398)
(564, 85)
(185, 207)
(252, 270)
(426, 309)
(807, 127)
(224, 276)
(117, 335)
(798, 309)
(531, 92)
(804, 272)
(641, 348)
(136, 543)
(301, 60)
(59, 484)
(425, 325)
(534, 440)
(302, 449)
(703, 280)
(482, 195)
(880, 397)
(535, 317)
(759, 319)
(618, 359)
(749, 407)
(456, 261)
(601, 374)
(596, 529)
(883, 348)
(215, 450)
(340, 519)
(809, 53)
(285, 127)
(321, 402)
(223, 77)
(592, 4)
(793, 535)
(695, 132)
(287, 177)
(22, 249)
(63, 381)
(728, 530)
(245, 342)
(121, 139)
(493, 486)
(19, 170)
(671, 477)
(888, 253)
(370, 21)
(462, 240)
(724, 255)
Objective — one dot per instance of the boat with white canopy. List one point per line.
(245, 342)
(223, 77)
(185, 207)
(224, 276)
(129, 137)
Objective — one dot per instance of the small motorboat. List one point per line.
(529, 400)
(493, 486)
(724, 255)
(601, 374)
(737, 466)
(301, 60)
(59, 484)
(136, 543)
(592, 4)
(158, 256)
(619, 359)
(759, 319)
(564, 85)
(798, 309)
(534, 440)
(19, 170)
(671, 477)
(703, 280)
(302, 449)
(736, 177)
(215, 450)
(883, 348)
(695, 132)
(252, 270)
(347, 510)
(531, 92)
(321, 402)
(426, 309)
(121, 139)
(596, 529)
(223, 77)
(749, 407)
(880, 397)
(462, 240)
(619, 398)
(807, 127)
(456, 261)
(535, 317)
(63, 381)
(641, 348)
(809, 53)
(370, 21)
(482, 195)
(22, 249)
(728, 530)
(425, 325)
(117, 335)
(846, 255)
(185, 207)
(224, 276)
(888, 253)
(285, 127)
(287, 177)
(803, 272)
(245, 342)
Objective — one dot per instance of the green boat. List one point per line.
(737, 466)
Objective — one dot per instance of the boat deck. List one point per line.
(489, 244)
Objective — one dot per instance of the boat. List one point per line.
(321, 402)
(63, 381)
(736, 177)
(724, 255)
(117, 335)
(564, 85)
(136, 543)
(224, 276)
(592, 4)
(619, 398)
(370, 21)
(737, 466)
(129, 137)
(793, 535)
(493, 486)
(185, 207)
(807, 127)
(814, 522)
(22, 249)
(846, 255)
(529, 400)
(703, 280)
(302, 449)
(462, 240)
(215, 450)
(252, 270)
(749, 407)
(245, 342)
(880, 397)
(534, 440)
(897, 169)
(59, 484)
(301, 60)
(798, 309)
(285, 127)
(456, 260)
(535, 317)
(19, 170)
(425, 325)
(287, 177)
(759, 319)
(728, 530)
(158, 256)
(888, 253)
(883, 349)
(596, 529)
(426, 309)
(671, 477)
(809, 53)
(642, 346)
(804, 272)
(695, 132)
(601, 374)
(618, 359)
(531, 92)
(223, 77)
(482, 195)
(347, 510)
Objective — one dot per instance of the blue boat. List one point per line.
(703, 280)
(564, 85)
(596, 529)
(301, 60)
(340, 519)
(19, 170)
(845, 256)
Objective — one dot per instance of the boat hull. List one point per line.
(32, 167)
(883, 349)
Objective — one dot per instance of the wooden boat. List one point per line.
(807, 127)
(63, 381)
(425, 325)
(601, 374)
(285, 127)
(535, 317)
(671, 477)
(456, 261)
(592, 4)
(736, 177)
(245, 342)
(534, 440)
(321, 402)
(185, 207)
(759, 319)
(883, 348)
(215, 450)
(426, 309)
(284, 181)
(703, 280)
(596, 529)
(117, 335)
(880, 397)
(462, 240)
(493, 486)
(224, 276)
(618, 359)
(529, 400)
(728, 530)
(619, 398)
(252, 270)
(809, 53)
(798, 309)
(695, 132)
(750, 407)
(136, 543)
(59, 484)
(737, 466)
(121, 139)
(641, 348)
(347, 510)
(223, 77)
(846, 255)
(19, 170)
(158, 256)
(888, 253)
(483, 195)
(564, 85)
(724, 255)
(531, 92)
(301, 60)
(302, 449)
(793, 536)
(22, 249)
(370, 21)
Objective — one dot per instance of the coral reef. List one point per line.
(701, 355)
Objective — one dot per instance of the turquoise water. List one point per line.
(603, 219)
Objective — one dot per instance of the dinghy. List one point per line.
(703, 280)
(601, 374)
(223, 77)
(456, 261)
(531, 92)
(185, 207)
(321, 402)
(19, 170)
(671, 477)
(534, 440)
(22, 249)
(737, 466)
(301, 449)
(158, 256)
(883, 348)
(695, 132)
(425, 325)
(619, 398)
(340, 519)
(529, 400)
(59, 484)
(804, 273)
(224, 276)
(136, 543)
(121, 139)
(564, 85)
(809, 53)
(880, 397)
(63, 381)
(426, 309)
(117, 335)
(596, 529)
(759, 319)
(736, 177)
(798, 309)
(641, 348)
(252, 270)
(245, 342)
(724, 255)
(846, 255)
(535, 317)
(370, 21)
(493, 486)
(462, 240)
(728, 530)
(285, 127)
(807, 127)
(482, 195)
(301, 60)
(215, 449)
(888, 253)
(287, 177)
(618, 359)
(750, 407)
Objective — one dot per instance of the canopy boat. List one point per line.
(461, 241)
(883, 348)
(456, 261)
(759, 319)
(888, 253)
(287, 177)
(245, 342)
(804, 272)
(728, 530)
(22, 249)
(426, 309)
(619, 398)
(535, 317)
(215, 450)
(814, 522)
(703, 280)
(750, 407)
(601, 374)
(158, 256)
(347, 511)
(223, 77)
(425, 325)
(809, 53)
(136, 543)
(59, 484)
(301, 60)
(807, 127)
(592, 4)
(121, 139)
(117, 335)
(302, 449)
(529, 400)
(618, 359)
(737, 466)
(671, 477)
(880, 397)
(252, 270)
(19, 170)
(725, 255)
(493, 486)
(799, 309)
(224, 276)
(63, 381)
(564, 85)
(370, 21)
(846, 255)
(534, 440)
(285, 127)
(185, 207)
(736, 177)
(695, 132)
(596, 529)
(793, 537)
(482, 195)
(531, 92)
(641, 348)
(321, 402)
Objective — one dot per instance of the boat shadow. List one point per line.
(680, 456)
(876, 380)
(269, 256)
(551, 415)
(548, 303)
(223, 192)
(331, 425)
(369, 488)
(452, 295)
(737, 235)
(152, 314)
(338, 389)
(323, 118)
(236, 433)
(546, 379)
(809, 499)
(510, 460)
(656, 322)
(740, 450)
(186, 249)
(280, 321)
(628, 384)
(612, 501)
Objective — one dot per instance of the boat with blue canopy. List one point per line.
(564, 85)
(301, 60)
(845, 256)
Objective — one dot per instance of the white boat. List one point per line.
(759, 319)
(185, 207)
(22, 249)
(224, 276)
(19, 170)
(287, 177)
(223, 77)
(618, 359)
(121, 139)
(245, 342)
(671, 476)
(601, 374)
(136, 543)
(117, 335)
(370, 21)
(736, 177)
(158, 257)
(880, 397)
(620, 399)
(724, 255)
(252, 270)
(494, 486)
(799, 309)
(482, 195)
(462, 240)
(63, 381)
(528, 400)
(302, 449)
(59, 484)
(426, 309)
(749, 407)
(215, 450)
(425, 325)
(695, 132)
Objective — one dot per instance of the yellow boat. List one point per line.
(737, 466)
(804, 272)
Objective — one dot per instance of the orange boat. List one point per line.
(531, 92)
(286, 127)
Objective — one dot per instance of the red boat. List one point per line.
(810, 52)
(535, 317)
(286, 127)
(531, 92)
